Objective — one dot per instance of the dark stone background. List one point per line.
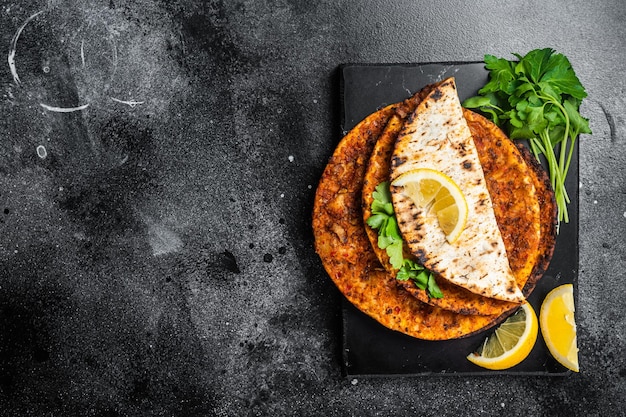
(159, 259)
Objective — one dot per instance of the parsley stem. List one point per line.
(536, 147)
(557, 176)
(570, 153)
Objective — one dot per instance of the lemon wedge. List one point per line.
(558, 326)
(428, 187)
(510, 343)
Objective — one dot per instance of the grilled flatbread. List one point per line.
(437, 136)
(517, 185)
(347, 256)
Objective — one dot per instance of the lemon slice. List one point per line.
(428, 187)
(510, 343)
(558, 326)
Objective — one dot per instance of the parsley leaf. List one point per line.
(432, 287)
(383, 219)
(503, 74)
(537, 98)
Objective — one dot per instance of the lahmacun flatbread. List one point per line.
(455, 298)
(348, 258)
(508, 180)
(437, 137)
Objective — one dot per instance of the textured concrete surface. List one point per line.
(156, 255)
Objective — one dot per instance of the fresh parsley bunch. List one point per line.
(383, 219)
(537, 98)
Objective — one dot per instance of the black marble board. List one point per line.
(370, 349)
